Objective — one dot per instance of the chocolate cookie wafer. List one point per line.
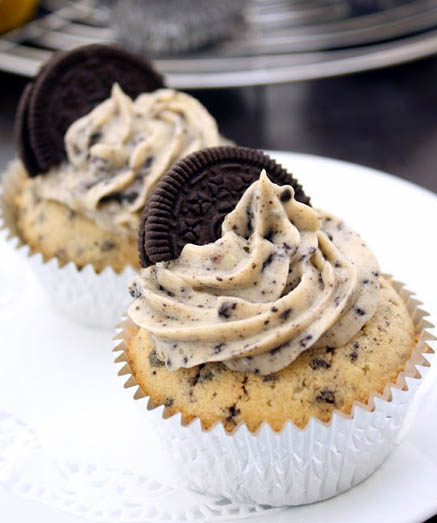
(70, 86)
(22, 130)
(22, 134)
(192, 199)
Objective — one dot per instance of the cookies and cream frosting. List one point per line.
(117, 153)
(282, 278)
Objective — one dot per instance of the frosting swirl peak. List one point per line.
(282, 278)
(118, 152)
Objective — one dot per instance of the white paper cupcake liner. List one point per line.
(294, 466)
(93, 299)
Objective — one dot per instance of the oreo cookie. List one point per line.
(68, 87)
(190, 202)
(22, 134)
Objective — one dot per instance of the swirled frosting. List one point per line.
(118, 151)
(282, 278)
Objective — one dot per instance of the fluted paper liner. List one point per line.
(95, 299)
(293, 466)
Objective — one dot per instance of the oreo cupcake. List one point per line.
(271, 350)
(96, 130)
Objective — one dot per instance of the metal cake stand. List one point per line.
(280, 41)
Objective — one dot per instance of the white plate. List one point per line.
(83, 447)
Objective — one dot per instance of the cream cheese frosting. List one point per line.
(283, 277)
(117, 153)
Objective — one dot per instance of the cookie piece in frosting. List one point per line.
(69, 86)
(192, 199)
(319, 381)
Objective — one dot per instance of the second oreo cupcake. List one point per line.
(96, 130)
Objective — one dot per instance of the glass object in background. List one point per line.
(279, 41)
(360, 7)
(173, 26)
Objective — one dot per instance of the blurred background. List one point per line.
(349, 79)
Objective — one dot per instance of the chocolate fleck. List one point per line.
(218, 348)
(193, 380)
(285, 195)
(94, 138)
(249, 221)
(148, 162)
(154, 360)
(267, 261)
(319, 363)
(163, 289)
(326, 395)
(168, 401)
(276, 349)
(233, 412)
(225, 309)
(134, 290)
(304, 341)
(107, 246)
(285, 314)
(205, 375)
(269, 235)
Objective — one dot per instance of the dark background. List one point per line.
(386, 119)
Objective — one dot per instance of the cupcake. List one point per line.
(272, 351)
(96, 130)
